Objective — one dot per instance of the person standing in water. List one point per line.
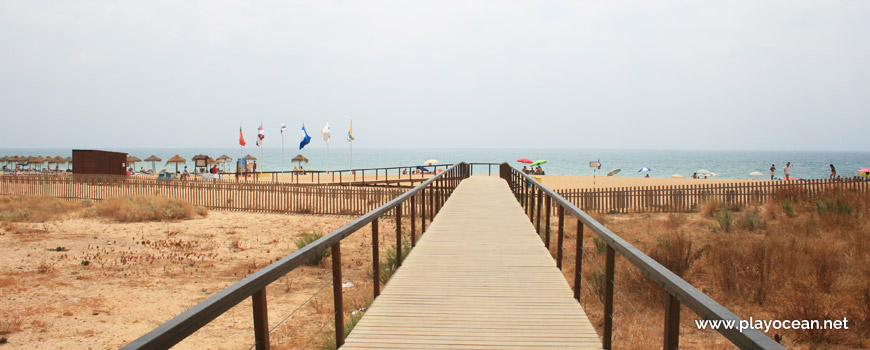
(833, 173)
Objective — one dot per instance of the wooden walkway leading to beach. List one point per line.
(479, 278)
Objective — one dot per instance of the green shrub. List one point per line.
(725, 220)
(788, 208)
(307, 239)
(600, 246)
(750, 220)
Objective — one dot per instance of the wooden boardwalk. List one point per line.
(479, 278)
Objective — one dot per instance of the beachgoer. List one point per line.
(772, 171)
(255, 167)
(647, 176)
(833, 173)
(404, 171)
(787, 170)
(695, 175)
(185, 173)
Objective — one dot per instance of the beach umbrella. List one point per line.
(422, 169)
(677, 176)
(177, 159)
(704, 172)
(756, 173)
(430, 162)
(299, 159)
(538, 163)
(644, 169)
(614, 172)
(524, 160)
(68, 161)
(153, 159)
(251, 158)
(133, 160)
(864, 172)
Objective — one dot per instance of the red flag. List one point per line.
(241, 137)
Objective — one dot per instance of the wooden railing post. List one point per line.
(413, 221)
(337, 295)
(578, 260)
(672, 322)
(561, 236)
(608, 297)
(538, 212)
(376, 262)
(261, 320)
(399, 235)
(422, 210)
(547, 223)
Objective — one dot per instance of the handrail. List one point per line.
(676, 287)
(183, 325)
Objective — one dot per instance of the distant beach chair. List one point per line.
(164, 177)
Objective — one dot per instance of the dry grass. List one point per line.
(796, 257)
(34, 208)
(10, 324)
(147, 208)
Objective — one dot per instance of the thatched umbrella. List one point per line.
(133, 160)
(55, 160)
(251, 158)
(177, 159)
(299, 158)
(153, 159)
(35, 160)
(68, 161)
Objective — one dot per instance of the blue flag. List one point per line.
(305, 138)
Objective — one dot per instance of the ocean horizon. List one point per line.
(663, 163)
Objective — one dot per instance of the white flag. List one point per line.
(326, 133)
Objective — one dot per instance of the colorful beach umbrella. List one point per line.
(864, 172)
(539, 163)
(644, 169)
(524, 160)
(614, 172)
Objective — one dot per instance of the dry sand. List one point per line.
(565, 181)
(140, 275)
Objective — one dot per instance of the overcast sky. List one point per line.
(539, 74)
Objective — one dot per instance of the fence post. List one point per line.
(423, 210)
(336, 294)
(399, 235)
(561, 234)
(672, 322)
(547, 222)
(261, 320)
(413, 221)
(608, 297)
(538, 212)
(578, 260)
(376, 262)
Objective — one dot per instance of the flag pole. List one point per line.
(282, 148)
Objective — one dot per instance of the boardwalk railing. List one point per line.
(534, 196)
(353, 176)
(259, 197)
(424, 200)
(689, 197)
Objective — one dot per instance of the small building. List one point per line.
(99, 162)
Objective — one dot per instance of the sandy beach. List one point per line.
(563, 182)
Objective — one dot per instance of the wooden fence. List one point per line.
(689, 197)
(260, 197)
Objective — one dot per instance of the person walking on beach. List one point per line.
(787, 170)
(185, 173)
(833, 173)
(772, 171)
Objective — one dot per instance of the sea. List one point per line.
(662, 163)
